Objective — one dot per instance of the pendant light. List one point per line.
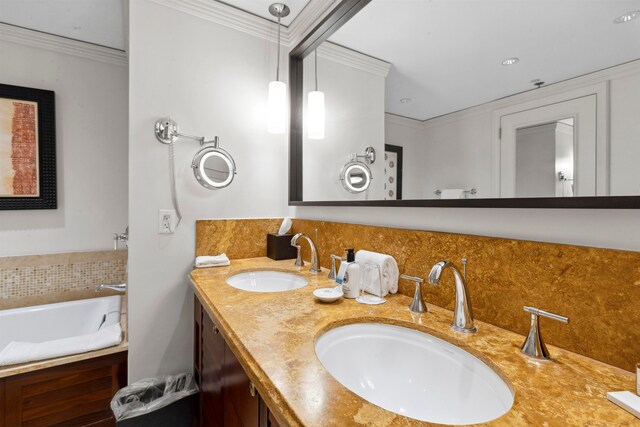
(315, 108)
(277, 104)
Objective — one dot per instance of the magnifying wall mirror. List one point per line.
(356, 177)
(213, 168)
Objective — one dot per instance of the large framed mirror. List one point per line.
(487, 103)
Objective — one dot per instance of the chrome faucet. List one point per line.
(121, 237)
(418, 305)
(534, 346)
(119, 287)
(463, 315)
(334, 270)
(315, 264)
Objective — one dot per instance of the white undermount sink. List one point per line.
(413, 374)
(267, 281)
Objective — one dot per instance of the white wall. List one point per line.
(354, 104)
(625, 134)
(213, 81)
(91, 147)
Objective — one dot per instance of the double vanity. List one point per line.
(268, 353)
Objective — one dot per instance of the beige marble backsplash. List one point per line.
(40, 279)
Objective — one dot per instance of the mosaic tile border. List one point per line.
(50, 274)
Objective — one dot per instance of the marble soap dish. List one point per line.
(329, 294)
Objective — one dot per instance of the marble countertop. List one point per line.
(273, 336)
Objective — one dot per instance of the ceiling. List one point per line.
(261, 8)
(95, 21)
(446, 55)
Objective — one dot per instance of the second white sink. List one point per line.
(414, 374)
(267, 281)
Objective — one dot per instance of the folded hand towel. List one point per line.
(388, 270)
(455, 193)
(212, 261)
(21, 352)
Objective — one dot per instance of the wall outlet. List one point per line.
(166, 221)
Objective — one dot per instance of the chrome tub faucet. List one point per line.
(119, 287)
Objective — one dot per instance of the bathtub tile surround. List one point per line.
(39, 279)
(598, 289)
(238, 238)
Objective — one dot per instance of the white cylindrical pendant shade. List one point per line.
(277, 108)
(315, 111)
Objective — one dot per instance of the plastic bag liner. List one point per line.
(151, 394)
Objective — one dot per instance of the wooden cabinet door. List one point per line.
(241, 401)
(76, 394)
(211, 375)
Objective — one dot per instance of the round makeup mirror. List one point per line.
(356, 177)
(214, 168)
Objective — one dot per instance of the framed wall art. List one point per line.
(27, 148)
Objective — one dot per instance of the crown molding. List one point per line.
(23, 36)
(354, 59)
(229, 16)
(403, 121)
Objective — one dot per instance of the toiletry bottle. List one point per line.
(349, 275)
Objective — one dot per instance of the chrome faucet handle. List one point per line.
(534, 346)
(299, 261)
(417, 305)
(333, 272)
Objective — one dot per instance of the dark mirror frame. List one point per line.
(329, 25)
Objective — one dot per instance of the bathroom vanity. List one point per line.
(227, 395)
(257, 365)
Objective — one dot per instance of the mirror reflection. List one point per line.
(539, 100)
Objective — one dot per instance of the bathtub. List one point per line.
(55, 330)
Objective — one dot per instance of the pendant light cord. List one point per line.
(315, 64)
(278, 64)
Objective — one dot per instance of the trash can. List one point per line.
(169, 401)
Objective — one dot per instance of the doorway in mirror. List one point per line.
(393, 156)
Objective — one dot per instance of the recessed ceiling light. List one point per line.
(510, 61)
(627, 17)
(405, 100)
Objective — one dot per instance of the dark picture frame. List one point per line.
(46, 196)
(323, 30)
(399, 153)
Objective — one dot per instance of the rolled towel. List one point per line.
(388, 270)
(212, 261)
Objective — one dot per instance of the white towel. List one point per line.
(388, 270)
(20, 352)
(212, 261)
(455, 193)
